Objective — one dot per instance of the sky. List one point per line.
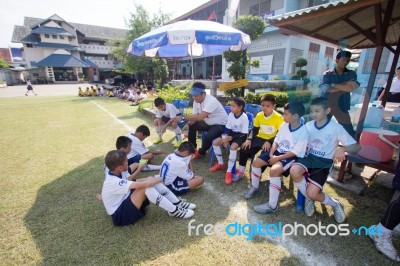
(108, 13)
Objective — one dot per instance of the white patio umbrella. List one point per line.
(189, 38)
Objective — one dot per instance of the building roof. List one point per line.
(351, 23)
(58, 46)
(88, 62)
(52, 31)
(61, 60)
(89, 31)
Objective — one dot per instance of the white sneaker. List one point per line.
(251, 193)
(309, 208)
(385, 245)
(339, 214)
(181, 213)
(183, 204)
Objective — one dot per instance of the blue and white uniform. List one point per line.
(175, 172)
(137, 149)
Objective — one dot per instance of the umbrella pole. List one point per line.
(191, 60)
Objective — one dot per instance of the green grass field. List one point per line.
(51, 164)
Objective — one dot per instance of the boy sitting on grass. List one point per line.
(167, 115)
(290, 143)
(177, 172)
(324, 137)
(125, 200)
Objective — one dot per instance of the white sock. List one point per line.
(178, 133)
(330, 201)
(218, 154)
(255, 177)
(242, 168)
(386, 232)
(232, 160)
(302, 186)
(163, 190)
(274, 190)
(151, 167)
(156, 198)
(159, 133)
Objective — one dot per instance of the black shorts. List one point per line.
(30, 87)
(286, 163)
(238, 138)
(127, 213)
(165, 119)
(317, 168)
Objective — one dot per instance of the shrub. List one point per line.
(170, 94)
(281, 97)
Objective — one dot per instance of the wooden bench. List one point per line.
(351, 158)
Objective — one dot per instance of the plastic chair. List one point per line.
(250, 116)
(252, 108)
(181, 105)
(227, 109)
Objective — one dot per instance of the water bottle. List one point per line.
(300, 202)
(396, 115)
(374, 117)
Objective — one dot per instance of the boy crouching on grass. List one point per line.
(324, 137)
(177, 172)
(289, 144)
(125, 200)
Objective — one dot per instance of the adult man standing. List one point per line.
(336, 86)
(208, 115)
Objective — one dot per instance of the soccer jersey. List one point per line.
(170, 111)
(137, 147)
(268, 125)
(217, 114)
(175, 166)
(238, 124)
(323, 141)
(395, 87)
(115, 190)
(294, 141)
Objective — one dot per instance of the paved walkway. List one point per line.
(43, 90)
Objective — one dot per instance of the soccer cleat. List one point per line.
(309, 208)
(185, 205)
(339, 214)
(251, 193)
(238, 175)
(177, 144)
(217, 167)
(181, 213)
(158, 141)
(197, 155)
(385, 245)
(264, 208)
(228, 178)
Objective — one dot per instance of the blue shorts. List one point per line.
(165, 119)
(286, 163)
(179, 187)
(127, 213)
(134, 159)
(317, 168)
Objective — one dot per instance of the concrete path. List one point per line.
(43, 90)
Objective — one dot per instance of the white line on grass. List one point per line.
(119, 121)
(294, 248)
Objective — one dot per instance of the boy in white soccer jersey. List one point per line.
(176, 170)
(167, 115)
(139, 150)
(236, 131)
(324, 137)
(125, 200)
(289, 144)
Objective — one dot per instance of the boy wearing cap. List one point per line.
(336, 86)
(208, 115)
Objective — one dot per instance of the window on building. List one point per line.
(61, 37)
(329, 53)
(70, 39)
(369, 58)
(47, 36)
(313, 50)
(29, 45)
(260, 8)
(54, 36)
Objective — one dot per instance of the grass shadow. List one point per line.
(70, 227)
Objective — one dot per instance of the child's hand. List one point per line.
(246, 144)
(273, 160)
(339, 155)
(266, 146)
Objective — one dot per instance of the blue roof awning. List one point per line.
(52, 31)
(58, 46)
(88, 62)
(61, 60)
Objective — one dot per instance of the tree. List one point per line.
(139, 24)
(301, 62)
(4, 64)
(239, 61)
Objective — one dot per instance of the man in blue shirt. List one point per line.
(336, 86)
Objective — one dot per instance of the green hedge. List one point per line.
(170, 94)
(281, 97)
